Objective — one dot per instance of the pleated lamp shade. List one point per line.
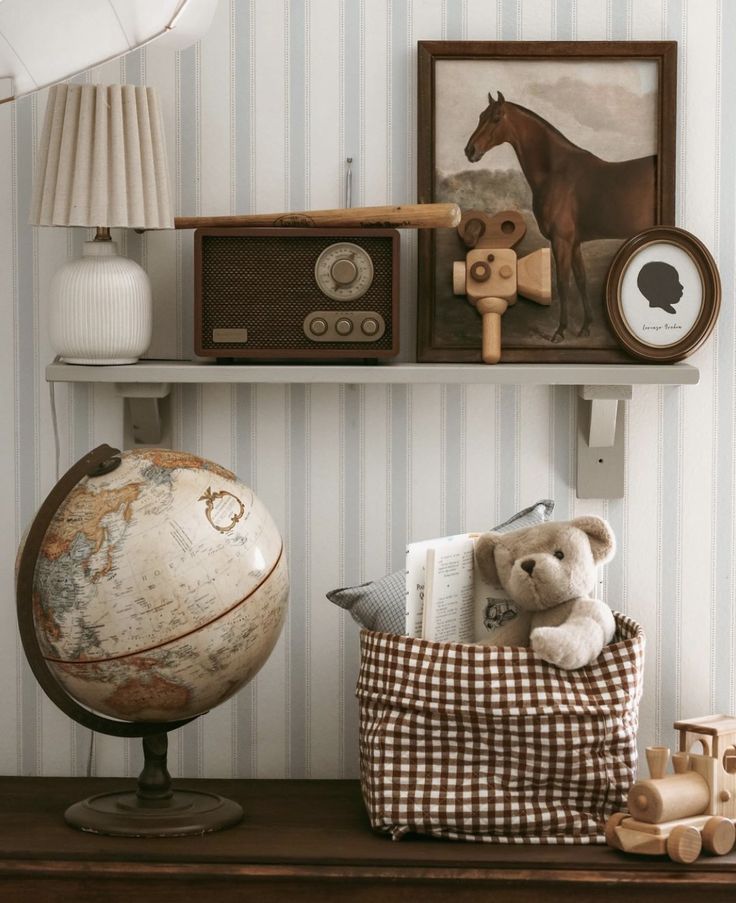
(102, 159)
(101, 163)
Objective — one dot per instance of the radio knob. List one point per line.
(369, 326)
(318, 326)
(343, 326)
(344, 271)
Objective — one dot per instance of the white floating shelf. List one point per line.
(504, 374)
(602, 390)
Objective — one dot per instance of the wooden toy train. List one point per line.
(694, 808)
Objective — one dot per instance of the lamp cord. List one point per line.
(55, 425)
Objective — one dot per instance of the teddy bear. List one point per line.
(548, 571)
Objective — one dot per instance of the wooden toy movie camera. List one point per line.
(492, 276)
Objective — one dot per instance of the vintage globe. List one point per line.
(159, 589)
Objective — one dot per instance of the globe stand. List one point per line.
(154, 809)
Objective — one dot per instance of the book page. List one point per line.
(449, 612)
(414, 570)
(497, 621)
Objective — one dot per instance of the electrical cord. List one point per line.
(55, 425)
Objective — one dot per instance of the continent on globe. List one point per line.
(160, 589)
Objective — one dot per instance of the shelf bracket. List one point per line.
(601, 441)
(144, 403)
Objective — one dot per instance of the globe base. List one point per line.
(154, 809)
(125, 814)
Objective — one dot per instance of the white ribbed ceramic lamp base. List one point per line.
(100, 308)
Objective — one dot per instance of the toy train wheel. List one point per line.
(719, 835)
(684, 844)
(610, 830)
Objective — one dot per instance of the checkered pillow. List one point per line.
(489, 743)
(380, 604)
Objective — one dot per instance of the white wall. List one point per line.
(261, 117)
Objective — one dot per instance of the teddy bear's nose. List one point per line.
(528, 565)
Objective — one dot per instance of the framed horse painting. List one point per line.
(578, 138)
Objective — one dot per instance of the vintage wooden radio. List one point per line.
(288, 292)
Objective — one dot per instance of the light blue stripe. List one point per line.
(299, 399)
(245, 740)
(298, 75)
(188, 186)
(82, 431)
(723, 626)
(565, 20)
(619, 19)
(244, 424)
(191, 735)
(508, 464)
(399, 486)
(509, 20)
(352, 100)
(615, 590)
(562, 452)
(26, 400)
(242, 98)
(299, 526)
(352, 415)
(399, 102)
(454, 20)
(671, 452)
(453, 435)
(189, 398)
(351, 517)
(618, 31)
(671, 607)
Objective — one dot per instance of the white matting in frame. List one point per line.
(661, 294)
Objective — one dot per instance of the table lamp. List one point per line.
(102, 164)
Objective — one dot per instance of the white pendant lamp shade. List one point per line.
(102, 159)
(43, 42)
(101, 163)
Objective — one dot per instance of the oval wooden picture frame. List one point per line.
(710, 301)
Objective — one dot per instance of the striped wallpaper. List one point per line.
(260, 116)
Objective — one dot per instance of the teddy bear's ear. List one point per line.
(485, 546)
(600, 535)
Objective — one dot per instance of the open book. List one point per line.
(447, 599)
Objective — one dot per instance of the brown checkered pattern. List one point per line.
(491, 744)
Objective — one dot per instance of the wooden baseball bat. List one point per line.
(405, 216)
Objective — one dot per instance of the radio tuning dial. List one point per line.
(344, 271)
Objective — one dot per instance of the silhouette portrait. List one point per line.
(660, 284)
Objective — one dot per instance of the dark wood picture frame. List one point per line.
(710, 299)
(450, 348)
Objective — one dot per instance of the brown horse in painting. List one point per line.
(576, 196)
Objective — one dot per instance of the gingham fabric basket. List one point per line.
(491, 744)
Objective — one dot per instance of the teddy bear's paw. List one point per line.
(561, 648)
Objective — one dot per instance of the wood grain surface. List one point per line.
(308, 840)
(403, 216)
